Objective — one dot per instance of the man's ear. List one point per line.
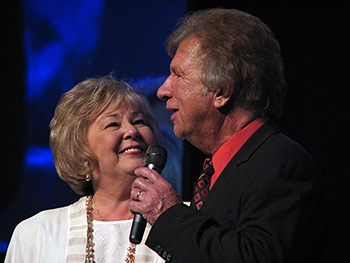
(222, 98)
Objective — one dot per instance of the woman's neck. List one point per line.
(111, 207)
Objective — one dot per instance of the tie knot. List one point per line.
(208, 168)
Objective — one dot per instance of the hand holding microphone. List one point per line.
(156, 158)
(151, 195)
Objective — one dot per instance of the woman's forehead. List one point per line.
(124, 106)
(120, 110)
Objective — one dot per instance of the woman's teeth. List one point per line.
(131, 150)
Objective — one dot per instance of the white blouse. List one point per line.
(59, 235)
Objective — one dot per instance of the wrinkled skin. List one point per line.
(156, 195)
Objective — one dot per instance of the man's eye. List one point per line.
(176, 74)
(113, 124)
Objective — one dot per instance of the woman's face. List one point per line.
(119, 139)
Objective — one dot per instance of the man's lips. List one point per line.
(173, 116)
(174, 111)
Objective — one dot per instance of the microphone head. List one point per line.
(156, 156)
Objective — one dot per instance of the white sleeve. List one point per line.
(41, 238)
(22, 245)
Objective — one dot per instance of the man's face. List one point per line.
(186, 96)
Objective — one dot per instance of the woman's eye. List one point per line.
(139, 122)
(113, 124)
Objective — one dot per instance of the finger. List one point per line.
(140, 183)
(133, 207)
(138, 195)
(135, 194)
(150, 174)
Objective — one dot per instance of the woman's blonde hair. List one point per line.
(75, 111)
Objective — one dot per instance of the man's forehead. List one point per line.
(188, 52)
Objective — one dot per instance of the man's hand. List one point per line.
(151, 194)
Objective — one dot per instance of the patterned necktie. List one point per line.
(201, 186)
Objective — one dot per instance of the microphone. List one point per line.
(156, 158)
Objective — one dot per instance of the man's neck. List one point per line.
(225, 129)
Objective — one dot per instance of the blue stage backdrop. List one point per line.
(67, 41)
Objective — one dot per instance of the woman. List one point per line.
(100, 133)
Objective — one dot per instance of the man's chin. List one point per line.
(179, 133)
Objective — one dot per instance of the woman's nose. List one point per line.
(164, 91)
(130, 132)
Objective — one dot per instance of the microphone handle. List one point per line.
(139, 223)
(137, 229)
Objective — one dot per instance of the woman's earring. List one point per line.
(87, 178)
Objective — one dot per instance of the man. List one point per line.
(264, 202)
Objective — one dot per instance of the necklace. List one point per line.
(90, 256)
(98, 211)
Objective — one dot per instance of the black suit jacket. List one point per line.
(266, 206)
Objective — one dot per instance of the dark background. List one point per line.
(314, 45)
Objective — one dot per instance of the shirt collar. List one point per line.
(226, 152)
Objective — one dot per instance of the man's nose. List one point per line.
(165, 91)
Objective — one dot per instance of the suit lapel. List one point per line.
(222, 184)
